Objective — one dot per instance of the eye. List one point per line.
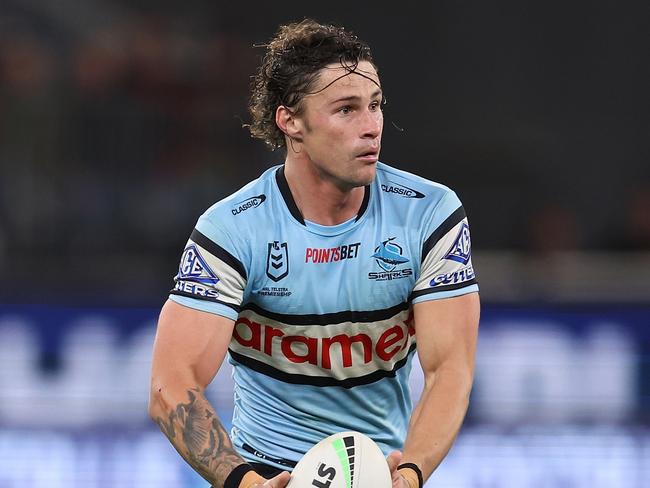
(345, 110)
(376, 105)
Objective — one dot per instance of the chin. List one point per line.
(366, 175)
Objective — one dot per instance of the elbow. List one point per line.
(466, 382)
(467, 386)
(157, 403)
(167, 391)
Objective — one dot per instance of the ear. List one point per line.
(289, 123)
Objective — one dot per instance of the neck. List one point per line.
(321, 198)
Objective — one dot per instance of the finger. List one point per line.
(396, 478)
(280, 481)
(393, 460)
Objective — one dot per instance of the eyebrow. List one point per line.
(351, 98)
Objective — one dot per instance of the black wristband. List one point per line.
(415, 468)
(236, 475)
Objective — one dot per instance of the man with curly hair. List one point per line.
(316, 280)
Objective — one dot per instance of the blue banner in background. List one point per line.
(51, 323)
(539, 364)
(561, 398)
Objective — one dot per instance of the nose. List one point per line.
(372, 124)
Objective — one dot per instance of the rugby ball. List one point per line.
(343, 460)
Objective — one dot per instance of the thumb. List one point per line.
(393, 460)
(279, 481)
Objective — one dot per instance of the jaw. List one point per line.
(362, 174)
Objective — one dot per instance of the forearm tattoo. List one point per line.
(195, 431)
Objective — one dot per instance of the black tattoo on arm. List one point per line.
(195, 431)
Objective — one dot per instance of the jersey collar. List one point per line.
(283, 186)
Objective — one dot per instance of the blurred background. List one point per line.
(121, 121)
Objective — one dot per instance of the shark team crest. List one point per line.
(388, 256)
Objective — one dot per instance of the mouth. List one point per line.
(371, 155)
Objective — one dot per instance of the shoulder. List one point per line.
(409, 190)
(240, 208)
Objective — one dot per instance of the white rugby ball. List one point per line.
(343, 460)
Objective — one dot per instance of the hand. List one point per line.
(280, 481)
(394, 459)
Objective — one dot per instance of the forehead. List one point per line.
(335, 78)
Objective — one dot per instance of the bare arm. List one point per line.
(189, 348)
(446, 332)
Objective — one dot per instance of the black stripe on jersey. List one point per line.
(218, 251)
(286, 194)
(329, 318)
(438, 289)
(207, 299)
(256, 453)
(449, 223)
(303, 379)
(364, 203)
(291, 203)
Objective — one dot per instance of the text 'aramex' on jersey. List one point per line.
(381, 343)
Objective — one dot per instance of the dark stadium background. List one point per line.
(121, 121)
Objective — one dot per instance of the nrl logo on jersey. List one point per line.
(401, 190)
(461, 250)
(194, 268)
(251, 202)
(277, 260)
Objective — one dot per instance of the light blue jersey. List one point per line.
(324, 332)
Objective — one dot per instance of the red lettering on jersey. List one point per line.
(384, 344)
(331, 254)
(345, 342)
(311, 356)
(410, 323)
(252, 329)
(387, 339)
(269, 334)
(410, 327)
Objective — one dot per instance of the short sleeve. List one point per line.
(446, 268)
(210, 276)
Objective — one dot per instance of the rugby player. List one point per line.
(316, 281)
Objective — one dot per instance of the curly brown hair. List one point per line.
(291, 66)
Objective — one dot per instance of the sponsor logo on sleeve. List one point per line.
(277, 260)
(460, 276)
(389, 256)
(251, 202)
(194, 268)
(401, 190)
(195, 275)
(200, 291)
(461, 250)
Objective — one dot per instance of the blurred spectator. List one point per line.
(112, 139)
(99, 140)
(552, 228)
(99, 64)
(634, 232)
(31, 127)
